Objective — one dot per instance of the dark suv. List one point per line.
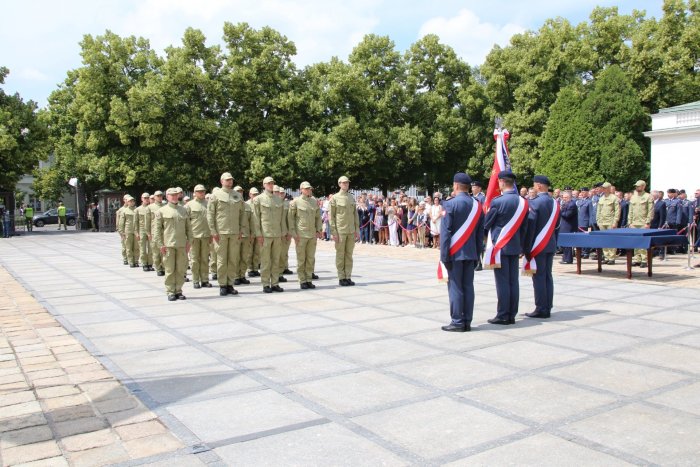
(51, 217)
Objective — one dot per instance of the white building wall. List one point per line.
(675, 161)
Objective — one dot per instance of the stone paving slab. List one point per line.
(96, 367)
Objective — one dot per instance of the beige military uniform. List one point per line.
(345, 225)
(173, 231)
(227, 219)
(143, 223)
(304, 221)
(201, 238)
(641, 212)
(247, 242)
(127, 228)
(607, 217)
(268, 211)
(286, 242)
(253, 260)
(120, 211)
(156, 256)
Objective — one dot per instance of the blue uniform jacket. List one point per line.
(457, 210)
(659, 218)
(584, 213)
(502, 210)
(594, 209)
(674, 211)
(569, 218)
(540, 211)
(481, 197)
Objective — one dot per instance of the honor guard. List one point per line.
(268, 210)
(253, 260)
(173, 234)
(155, 249)
(345, 230)
(143, 224)
(246, 245)
(305, 226)
(201, 238)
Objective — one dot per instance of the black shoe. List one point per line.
(287, 272)
(503, 322)
(254, 274)
(161, 272)
(636, 263)
(236, 282)
(642, 265)
(343, 282)
(151, 268)
(538, 314)
(126, 263)
(314, 276)
(349, 282)
(283, 279)
(611, 262)
(311, 286)
(133, 265)
(231, 290)
(566, 262)
(180, 296)
(244, 281)
(145, 269)
(196, 285)
(172, 297)
(206, 284)
(277, 288)
(304, 286)
(267, 289)
(223, 291)
(214, 277)
(511, 320)
(453, 328)
(187, 279)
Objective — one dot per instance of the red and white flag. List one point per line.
(501, 161)
(541, 240)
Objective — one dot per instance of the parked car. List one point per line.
(51, 217)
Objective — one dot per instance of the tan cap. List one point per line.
(171, 191)
(128, 197)
(158, 193)
(267, 180)
(179, 190)
(276, 189)
(606, 185)
(343, 179)
(254, 191)
(640, 183)
(226, 176)
(145, 195)
(152, 196)
(199, 187)
(238, 188)
(305, 185)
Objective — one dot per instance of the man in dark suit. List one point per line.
(659, 211)
(461, 244)
(541, 245)
(569, 224)
(507, 244)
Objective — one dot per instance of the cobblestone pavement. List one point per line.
(96, 367)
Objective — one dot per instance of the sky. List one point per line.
(39, 39)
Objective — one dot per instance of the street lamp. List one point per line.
(425, 182)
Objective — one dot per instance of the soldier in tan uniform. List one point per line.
(155, 249)
(305, 226)
(268, 211)
(173, 234)
(127, 229)
(212, 247)
(253, 259)
(641, 212)
(286, 239)
(345, 230)
(228, 223)
(119, 213)
(247, 240)
(607, 217)
(201, 238)
(143, 222)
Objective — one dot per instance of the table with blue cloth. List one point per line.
(627, 239)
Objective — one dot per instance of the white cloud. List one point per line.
(471, 38)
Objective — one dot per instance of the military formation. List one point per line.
(223, 236)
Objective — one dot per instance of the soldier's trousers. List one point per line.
(130, 246)
(212, 259)
(543, 283)
(343, 255)
(640, 255)
(609, 254)
(284, 259)
(227, 258)
(254, 261)
(124, 257)
(246, 254)
(145, 247)
(156, 256)
(199, 255)
(270, 261)
(306, 258)
(175, 263)
(460, 288)
(507, 287)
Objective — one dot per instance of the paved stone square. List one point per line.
(97, 367)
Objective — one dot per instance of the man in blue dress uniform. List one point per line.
(584, 215)
(542, 222)
(504, 209)
(461, 243)
(569, 224)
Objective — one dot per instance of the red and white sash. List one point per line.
(492, 255)
(461, 236)
(543, 236)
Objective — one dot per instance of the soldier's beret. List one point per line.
(477, 183)
(541, 179)
(305, 185)
(267, 180)
(506, 174)
(461, 177)
(343, 179)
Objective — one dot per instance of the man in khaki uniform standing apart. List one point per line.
(246, 245)
(227, 223)
(268, 211)
(127, 229)
(641, 212)
(120, 211)
(143, 222)
(173, 234)
(345, 229)
(305, 226)
(201, 238)
(607, 217)
(253, 259)
(155, 249)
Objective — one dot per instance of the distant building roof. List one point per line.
(681, 108)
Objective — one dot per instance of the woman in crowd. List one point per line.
(435, 219)
(411, 215)
(403, 215)
(363, 214)
(394, 222)
(380, 223)
(421, 224)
